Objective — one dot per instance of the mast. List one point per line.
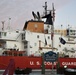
(9, 24)
(52, 32)
(3, 25)
(52, 27)
(53, 19)
(45, 7)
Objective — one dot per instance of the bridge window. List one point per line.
(23, 36)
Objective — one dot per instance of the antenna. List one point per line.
(45, 7)
(3, 25)
(53, 12)
(9, 24)
(61, 31)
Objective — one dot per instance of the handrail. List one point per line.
(10, 68)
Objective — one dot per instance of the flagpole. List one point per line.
(61, 31)
(69, 32)
(52, 31)
(52, 26)
(43, 66)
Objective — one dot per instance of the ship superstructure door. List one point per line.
(25, 42)
(2, 44)
(26, 47)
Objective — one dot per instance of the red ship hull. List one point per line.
(34, 62)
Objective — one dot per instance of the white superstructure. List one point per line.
(35, 41)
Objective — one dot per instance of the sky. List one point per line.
(20, 11)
